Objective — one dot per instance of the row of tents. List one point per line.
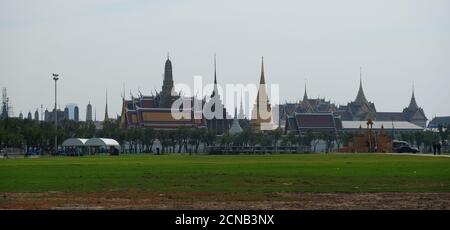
(75, 145)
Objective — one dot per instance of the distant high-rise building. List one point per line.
(89, 113)
(36, 115)
(62, 115)
(29, 117)
(66, 113)
(71, 107)
(20, 116)
(76, 114)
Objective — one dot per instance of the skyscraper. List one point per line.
(71, 107)
(36, 115)
(66, 113)
(76, 114)
(89, 113)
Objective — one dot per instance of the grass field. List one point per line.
(260, 173)
(224, 178)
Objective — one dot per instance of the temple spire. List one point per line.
(305, 96)
(216, 90)
(241, 109)
(360, 98)
(168, 78)
(261, 116)
(106, 107)
(262, 80)
(215, 72)
(413, 104)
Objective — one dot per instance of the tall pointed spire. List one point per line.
(262, 93)
(413, 104)
(106, 107)
(360, 76)
(241, 109)
(360, 98)
(306, 106)
(215, 90)
(305, 96)
(261, 118)
(215, 72)
(262, 80)
(168, 77)
(167, 88)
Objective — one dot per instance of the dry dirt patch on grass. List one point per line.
(190, 200)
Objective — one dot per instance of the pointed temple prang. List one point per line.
(305, 96)
(106, 107)
(413, 104)
(215, 70)
(262, 80)
(360, 98)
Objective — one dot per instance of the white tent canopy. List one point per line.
(74, 142)
(98, 142)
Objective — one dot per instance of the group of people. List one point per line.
(437, 148)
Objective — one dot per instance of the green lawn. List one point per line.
(241, 173)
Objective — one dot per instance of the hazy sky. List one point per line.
(99, 44)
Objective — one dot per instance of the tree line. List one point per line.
(38, 136)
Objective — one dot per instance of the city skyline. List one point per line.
(97, 44)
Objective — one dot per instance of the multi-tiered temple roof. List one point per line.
(156, 111)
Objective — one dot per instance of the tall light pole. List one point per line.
(55, 78)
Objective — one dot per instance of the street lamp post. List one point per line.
(55, 78)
